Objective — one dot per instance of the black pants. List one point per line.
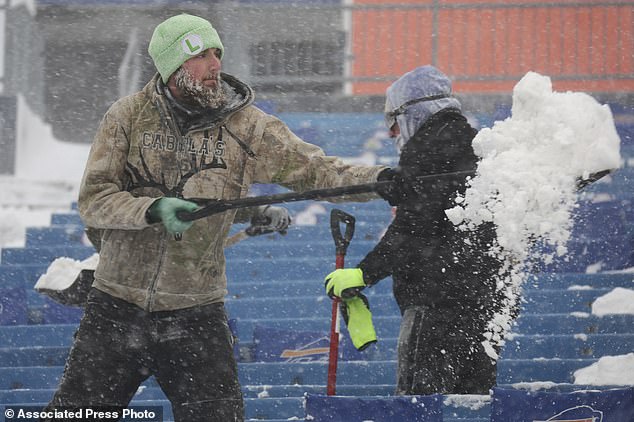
(189, 351)
(442, 353)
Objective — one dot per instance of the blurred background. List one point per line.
(70, 59)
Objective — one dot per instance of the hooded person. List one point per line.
(156, 306)
(444, 280)
(410, 104)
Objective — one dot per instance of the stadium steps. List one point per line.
(520, 347)
(37, 384)
(313, 304)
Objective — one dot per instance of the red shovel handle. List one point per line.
(341, 243)
(331, 387)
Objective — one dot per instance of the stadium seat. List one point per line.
(54, 236)
(507, 405)
(380, 409)
(44, 254)
(13, 306)
(22, 275)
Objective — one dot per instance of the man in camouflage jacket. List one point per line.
(156, 307)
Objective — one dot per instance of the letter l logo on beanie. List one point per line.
(192, 44)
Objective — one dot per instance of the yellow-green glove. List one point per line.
(356, 313)
(165, 209)
(344, 283)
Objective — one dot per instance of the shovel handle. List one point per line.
(341, 244)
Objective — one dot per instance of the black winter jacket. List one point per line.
(432, 263)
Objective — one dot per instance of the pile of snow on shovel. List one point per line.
(526, 179)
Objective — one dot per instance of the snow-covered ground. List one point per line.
(47, 175)
(48, 172)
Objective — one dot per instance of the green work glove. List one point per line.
(165, 209)
(356, 313)
(344, 283)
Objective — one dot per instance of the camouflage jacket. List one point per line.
(139, 154)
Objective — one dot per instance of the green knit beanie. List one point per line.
(178, 39)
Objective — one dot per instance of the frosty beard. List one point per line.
(195, 92)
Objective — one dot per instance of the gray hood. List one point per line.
(424, 81)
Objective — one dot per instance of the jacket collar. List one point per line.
(239, 96)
